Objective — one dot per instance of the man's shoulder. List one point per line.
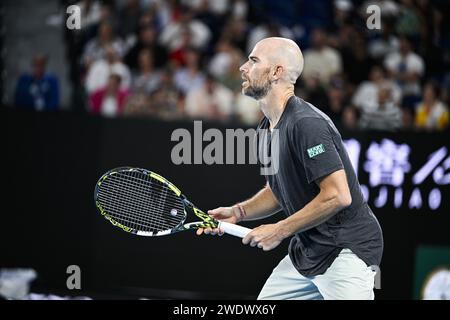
(302, 111)
(305, 118)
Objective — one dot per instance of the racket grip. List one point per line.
(234, 229)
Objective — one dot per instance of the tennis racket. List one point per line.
(144, 203)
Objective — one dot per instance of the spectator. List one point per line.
(90, 13)
(146, 40)
(145, 82)
(239, 9)
(385, 115)
(96, 48)
(236, 30)
(321, 60)
(337, 100)
(409, 22)
(177, 34)
(130, 15)
(211, 101)
(99, 72)
(164, 11)
(167, 101)
(247, 109)
(109, 101)
(224, 65)
(406, 67)
(431, 113)
(178, 56)
(147, 78)
(220, 62)
(366, 95)
(211, 13)
(342, 10)
(313, 91)
(266, 29)
(211, 6)
(342, 39)
(350, 118)
(38, 90)
(385, 44)
(191, 76)
(357, 62)
(172, 36)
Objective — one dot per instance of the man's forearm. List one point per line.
(320, 209)
(261, 205)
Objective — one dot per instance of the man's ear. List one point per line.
(278, 71)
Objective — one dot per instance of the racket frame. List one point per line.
(206, 220)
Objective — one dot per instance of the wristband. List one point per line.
(242, 213)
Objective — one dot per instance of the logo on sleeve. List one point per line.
(316, 150)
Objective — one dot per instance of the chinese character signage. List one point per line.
(407, 175)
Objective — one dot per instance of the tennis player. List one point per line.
(335, 238)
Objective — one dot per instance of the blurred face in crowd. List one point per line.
(376, 74)
(105, 12)
(110, 54)
(210, 84)
(166, 79)
(114, 83)
(336, 96)
(39, 65)
(147, 35)
(105, 32)
(405, 46)
(429, 93)
(319, 38)
(359, 46)
(349, 118)
(192, 58)
(145, 60)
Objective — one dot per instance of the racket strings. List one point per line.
(113, 205)
(134, 210)
(153, 200)
(140, 202)
(167, 201)
(172, 199)
(114, 197)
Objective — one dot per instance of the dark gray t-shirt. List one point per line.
(310, 147)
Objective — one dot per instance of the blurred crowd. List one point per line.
(179, 59)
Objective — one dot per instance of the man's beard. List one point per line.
(259, 89)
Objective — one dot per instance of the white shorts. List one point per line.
(348, 278)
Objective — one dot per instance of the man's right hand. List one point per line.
(226, 214)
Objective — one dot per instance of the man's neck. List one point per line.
(273, 106)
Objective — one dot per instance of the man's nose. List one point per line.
(243, 67)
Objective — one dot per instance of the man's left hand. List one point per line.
(266, 237)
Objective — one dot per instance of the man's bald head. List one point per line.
(284, 52)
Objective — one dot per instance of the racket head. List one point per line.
(140, 202)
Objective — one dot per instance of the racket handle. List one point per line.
(234, 229)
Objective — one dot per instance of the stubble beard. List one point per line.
(260, 88)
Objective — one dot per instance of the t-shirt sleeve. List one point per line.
(315, 147)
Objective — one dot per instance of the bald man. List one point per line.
(336, 241)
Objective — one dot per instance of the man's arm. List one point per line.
(334, 196)
(261, 205)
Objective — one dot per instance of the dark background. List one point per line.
(52, 161)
